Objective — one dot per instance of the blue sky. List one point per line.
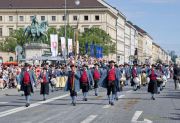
(160, 18)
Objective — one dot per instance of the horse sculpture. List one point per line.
(36, 31)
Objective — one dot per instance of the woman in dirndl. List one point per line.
(44, 79)
(152, 86)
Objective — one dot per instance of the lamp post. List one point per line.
(77, 2)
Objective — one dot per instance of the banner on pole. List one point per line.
(77, 44)
(70, 46)
(63, 46)
(54, 44)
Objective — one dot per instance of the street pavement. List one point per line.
(132, 107)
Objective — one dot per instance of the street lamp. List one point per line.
(77, 2)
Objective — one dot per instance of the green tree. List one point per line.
(17, 37)
(99, 37)
(9, 44)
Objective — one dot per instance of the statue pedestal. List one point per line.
(35, 50)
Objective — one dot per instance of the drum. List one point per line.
(136, 80)
(53, 81)
(18, 87)
(159, 79)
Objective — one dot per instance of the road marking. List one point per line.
(121, 96)
(3, 102)
(89, 119)
(15, 110)
(136, 117)
(106, 106)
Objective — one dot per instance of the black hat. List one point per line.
(26, 65)
(116, 65)
(96, 64)
(125, 63)
(112, 61)
(85, 65)
(153, 65)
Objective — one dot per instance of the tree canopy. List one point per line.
(92, 35)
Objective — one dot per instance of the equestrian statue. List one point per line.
(36, 31)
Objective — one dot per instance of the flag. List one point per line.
(98, 51)
(92, 50)
(70, 46)
(54, 44)
(63, 46)
(101, 52)
(86, 48)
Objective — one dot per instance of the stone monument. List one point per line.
(37, 34)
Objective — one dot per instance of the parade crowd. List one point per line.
(86, 74)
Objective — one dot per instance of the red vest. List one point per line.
(84, 78)
(26, 78)
(111, 75)
(153, 76)
(96, 75)
(44, 78)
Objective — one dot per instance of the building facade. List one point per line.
(127, 42)
(140, 48)
(7, 56)
(94, 13)
(155, 53)
(89, 13)
(121, 21)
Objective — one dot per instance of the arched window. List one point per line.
(10, 58)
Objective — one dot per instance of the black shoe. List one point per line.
(96, 94)
(52, 90)
(85, 99)
(44, 99)
(74, 104)
(112, 103)
(153, 98)
(27, 104)
(158, 92)
(109, 102)
(117, 98)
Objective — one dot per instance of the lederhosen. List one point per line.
(96, 81)
(27, 87)
(111, 85)
(44, 86)
(84, 85)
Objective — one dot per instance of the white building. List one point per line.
(121, 21)
(89, 13)
(127, 42)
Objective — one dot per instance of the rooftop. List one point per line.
(48, 4)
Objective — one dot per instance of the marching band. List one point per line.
(81, 75)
